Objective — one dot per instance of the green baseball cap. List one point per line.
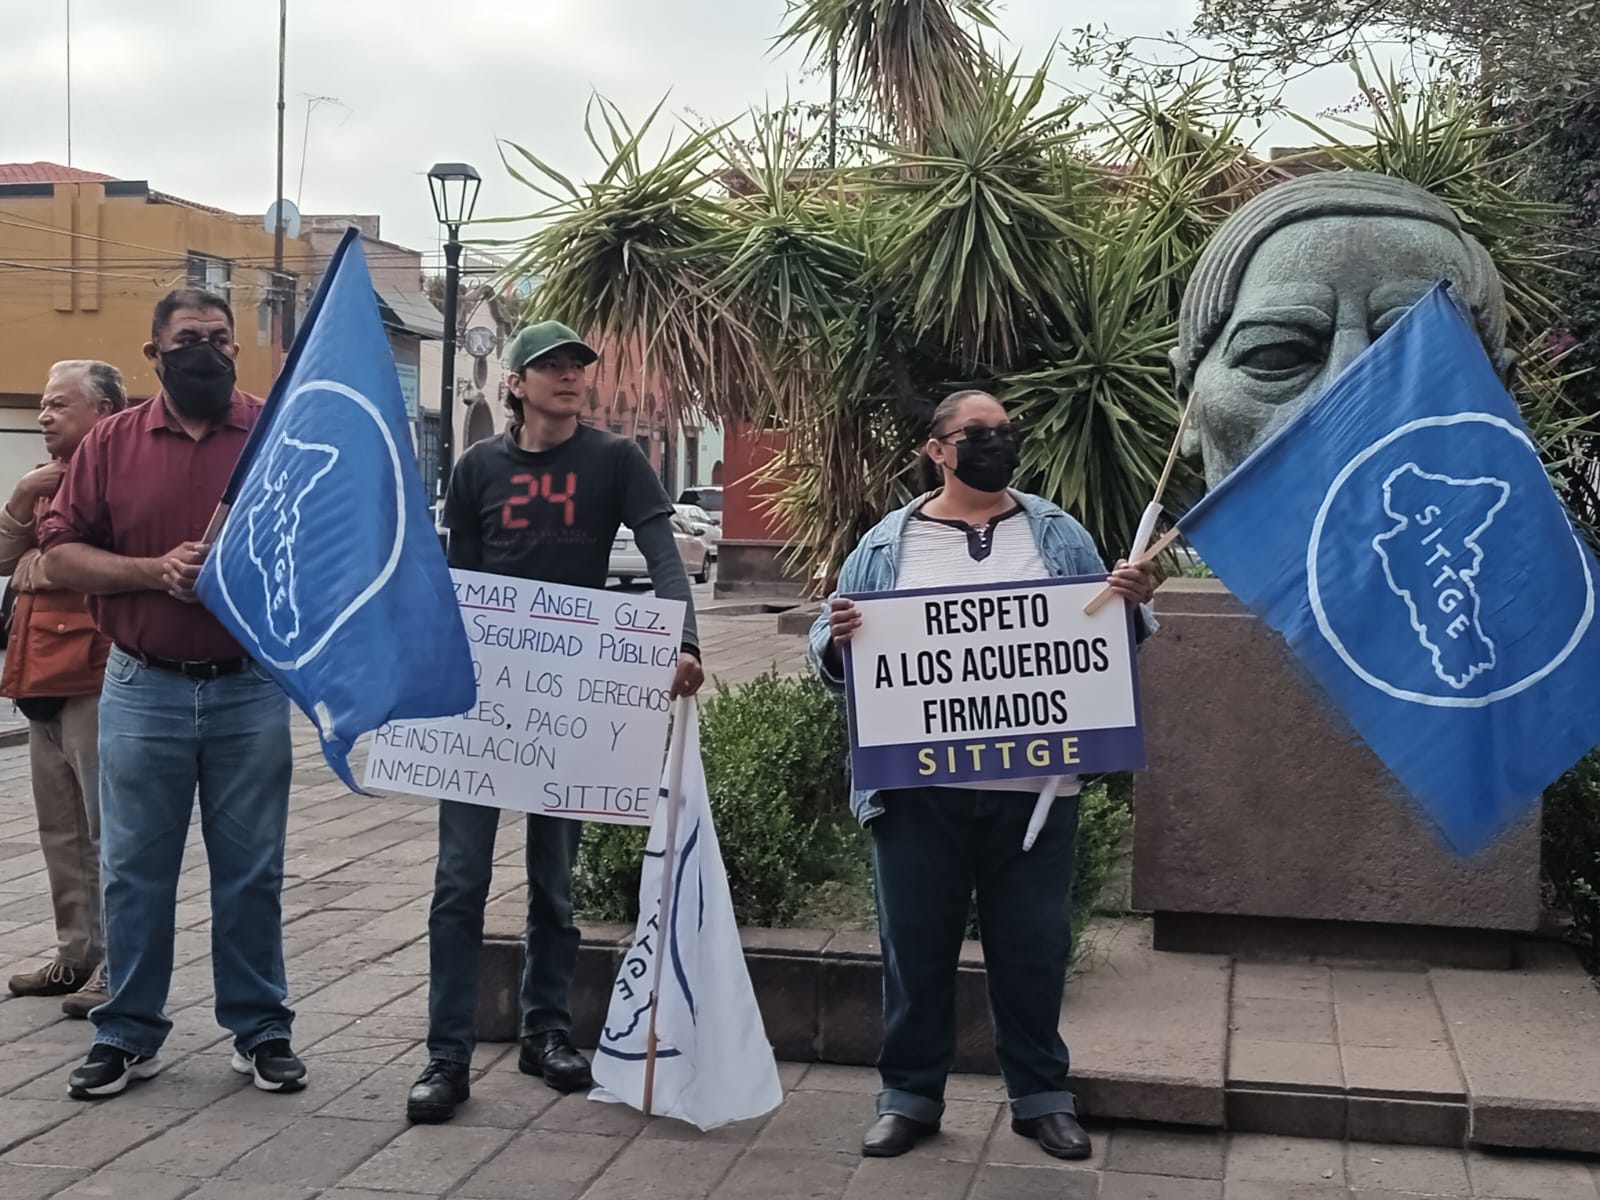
(535, 341)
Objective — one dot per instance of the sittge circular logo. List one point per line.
(1422, 569)
(293, 565)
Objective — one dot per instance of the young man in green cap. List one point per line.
(542, 501)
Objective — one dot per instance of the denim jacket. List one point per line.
(1064, 545)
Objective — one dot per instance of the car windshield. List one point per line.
(708, 498)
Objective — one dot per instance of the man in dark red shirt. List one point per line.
(183, 710)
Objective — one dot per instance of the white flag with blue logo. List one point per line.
(1402, 535)
(328, 570)
(713, 1061)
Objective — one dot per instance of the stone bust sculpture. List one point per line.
(1297, 283)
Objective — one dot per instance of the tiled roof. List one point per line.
(46, 172)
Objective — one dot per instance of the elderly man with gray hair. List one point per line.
(54, 664)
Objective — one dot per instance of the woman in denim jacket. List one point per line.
(933, 846)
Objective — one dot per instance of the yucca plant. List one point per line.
(992, 242)
(628, 258)
(978, 228)
(909, 58)
(1099, 412)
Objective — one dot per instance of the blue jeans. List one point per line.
(931, 848)
(455, 926)
(162, 738)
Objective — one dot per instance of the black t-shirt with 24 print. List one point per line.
(549, 515)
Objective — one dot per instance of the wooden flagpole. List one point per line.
(674, 801)
(1139, 553)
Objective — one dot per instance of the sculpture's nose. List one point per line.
(1348, 345)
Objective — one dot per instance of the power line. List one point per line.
(376, 255)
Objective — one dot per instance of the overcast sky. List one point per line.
(182, 92)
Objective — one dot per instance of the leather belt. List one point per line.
(213, 669)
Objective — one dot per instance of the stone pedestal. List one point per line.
(751, 567)
(1265, 828)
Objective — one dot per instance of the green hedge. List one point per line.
(1572, 850)
(774, 753)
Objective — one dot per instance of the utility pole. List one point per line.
(69, 83)
(280, 299)
(833, 107)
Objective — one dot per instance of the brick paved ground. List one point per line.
(355, 911)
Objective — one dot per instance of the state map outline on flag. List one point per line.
(231, 530)
(275, 521)
(1319, 607)
(1461, 650)
(645, 949)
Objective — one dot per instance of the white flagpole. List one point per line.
(1140, 551)
(674, 802)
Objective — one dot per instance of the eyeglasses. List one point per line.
(979, 434)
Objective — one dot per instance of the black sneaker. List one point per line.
(553, 1058)
(107, 1071)
(434, 1096)
(273, 1065)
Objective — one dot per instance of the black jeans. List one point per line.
(931, 849)
(455, 925)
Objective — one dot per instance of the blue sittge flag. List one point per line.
(1402, 536)
(328, 569)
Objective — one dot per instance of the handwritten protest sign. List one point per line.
(1007, 681)
(573, 699)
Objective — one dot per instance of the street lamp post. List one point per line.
(455, 192)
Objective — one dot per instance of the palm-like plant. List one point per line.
(982, 225)
(997, 245)
(628, 258)
(910, 58)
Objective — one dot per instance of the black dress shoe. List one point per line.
(553, 1058)
(891, 1135)
(435, 1094)
(1058, 1134)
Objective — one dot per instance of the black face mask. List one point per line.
(199, 380)
(986, 466)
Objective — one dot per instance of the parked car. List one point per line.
(702, 525)
(627, 563)
(708, 498)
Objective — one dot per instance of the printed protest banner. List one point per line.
(574, 693)
(1006, 681)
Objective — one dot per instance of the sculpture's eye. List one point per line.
(1278, 360)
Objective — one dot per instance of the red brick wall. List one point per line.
(744, 452)
(619, 401)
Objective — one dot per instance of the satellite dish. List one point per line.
(291, 219)
(480, 341)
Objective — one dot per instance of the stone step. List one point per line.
(1506, 1059)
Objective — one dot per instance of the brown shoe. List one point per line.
(55, 979)
(89, 997)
